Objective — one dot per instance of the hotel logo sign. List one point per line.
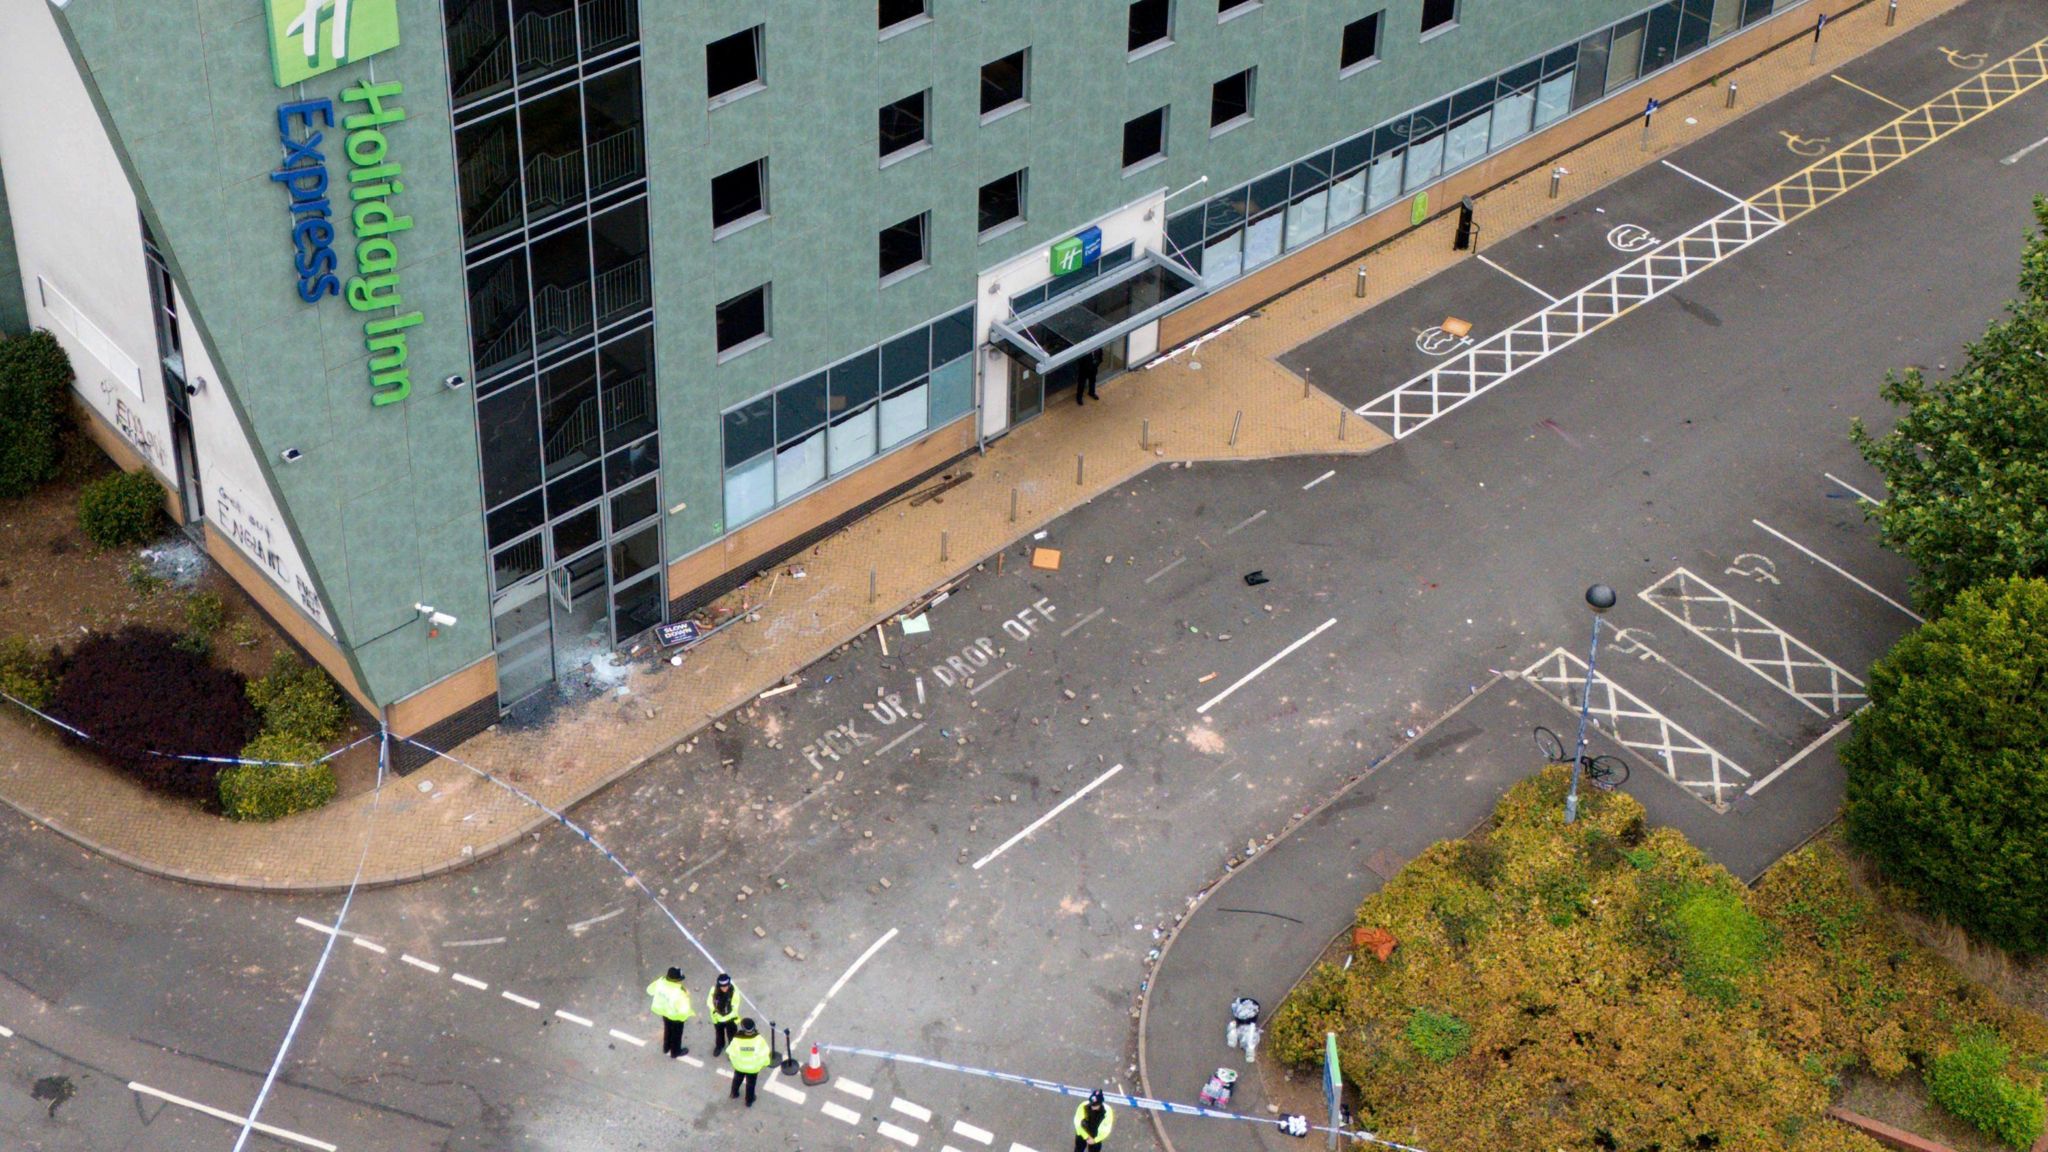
(311, 37)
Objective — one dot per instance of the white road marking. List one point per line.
(692, 1061)
(266, 1129)
(1802, 754)
(900, 1135)
(1700, 182)
(1247, 678)
(981, 684)
(1517, 279)
(1247, 522)
(2022, 153)
(1042, 821)
(582, 926)
(1022, 1148)
(379, 949)
(1318, 480)
(841, 983)
(916, 1111)
(1869, 93)
(6, 1033)
(319, 927)
(1650, 734)
(900, 739)
(840, 1112)
(635, 1041)
(520, 1000)
(947, 1148)
(854, 1088)
(472, 943)
(778, 1088)
(1178, 561)
(416, 962)
(1865, 496)
(1077, 625)
(981, 1135)
(472, 981)
(573, 1018)
(1843, 572)
(1625, 641)
(1789, 664)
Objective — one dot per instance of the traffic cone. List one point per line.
(814, 1070)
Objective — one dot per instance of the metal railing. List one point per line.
(622, 290)
(546, 42)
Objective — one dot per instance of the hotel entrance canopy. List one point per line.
(1090, 315)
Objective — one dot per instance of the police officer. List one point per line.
(749, 1054)
(671, 1001)
(725, 1014)
(1092, 1122)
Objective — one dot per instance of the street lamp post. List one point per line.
(1599, 598)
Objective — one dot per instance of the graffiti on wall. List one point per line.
(128, 422)
(267, 545)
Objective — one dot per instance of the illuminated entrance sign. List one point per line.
(311, 37)
(1077, 251)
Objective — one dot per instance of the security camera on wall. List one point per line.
(454, 382)
(291, 455)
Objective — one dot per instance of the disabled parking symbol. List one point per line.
(1801, 146)
(1435, 341)
(1631, 238)
(1761, 569)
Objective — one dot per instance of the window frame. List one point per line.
(1228, 10)
(1250, 76)
(1447, 24)
(922, 144)
(1023, 214)
(1023, 97)
(745, 344)
(1158, 155)
(1352, 68)
(741, 223)
(905, 24)
(888, 276)
(1159, 43)
(758, 36)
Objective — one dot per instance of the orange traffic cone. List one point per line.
(814, 1069)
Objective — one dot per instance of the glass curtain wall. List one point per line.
(552, 183)
(1236, 231)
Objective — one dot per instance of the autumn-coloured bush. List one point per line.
(138, 693)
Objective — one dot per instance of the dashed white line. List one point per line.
(573, 1018)
(947, 1148)
(980, 1135)
(318, 927)
(1022, 1148)
(2022, 153)
(1866, 497)
(901, 1135)
(1077, 625)
(1843, 572)
(864, 1093)
(472, 981)
(692, 1061)
(778, 1088)
(1702, 183)
(194, 1105)
(1035, 825)
(854, 1088)
(520, 1000)
(1247, 522)
(1517, 279)
(840, 1112)
(919, 1112)
(635, 1041)
(373, 946)
(472, 943)
(582, 926)
(1318, 480)
(1178, 561)
(979, 685)
(6, 1033)
(419, 963)
(1248, 677)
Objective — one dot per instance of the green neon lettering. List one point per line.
(373, 95)
(369, 293)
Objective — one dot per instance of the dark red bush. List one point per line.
(136, 692)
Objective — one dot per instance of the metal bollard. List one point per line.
(1013, 505)
(1144, 435)
(1557, 176)
(1731, 94)
(944, 550)
(1304, 386)
(871, 585)
(1235, 421)
(1891, 13)
(1358, 286)
(1080, 465)
(1343, 418)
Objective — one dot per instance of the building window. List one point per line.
(902, 247)
(1144, 140)
(1226, 9)
(903, 126)
(732, 66)
(739, 197)
(1361, 44)
(743, 322)
(1003, 85)
(1230, 101)
(1002, 203)
(1151, 25)
(1439, 14)
(893, 16)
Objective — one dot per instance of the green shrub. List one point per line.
(125, 508)
(26, 674)
(298, 700)
(1970, 1083)
(34, 377)
(1438, 1036)
(295, 783)
(205, 613)
(1948, 765)
(1719, 941)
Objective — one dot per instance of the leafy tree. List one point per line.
(1967, 464)
(35, 374)
(1948, 766)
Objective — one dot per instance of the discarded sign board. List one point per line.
(1046, 558)
(680, 632)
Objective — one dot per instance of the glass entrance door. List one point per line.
(578, 592)
(1027, 393)
(521, 633)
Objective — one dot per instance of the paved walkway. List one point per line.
(442, 817)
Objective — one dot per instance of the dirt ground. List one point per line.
(1903, 1103)
(55, 588)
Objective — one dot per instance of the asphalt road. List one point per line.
(851, 814)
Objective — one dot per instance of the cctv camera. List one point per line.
(192, 388)
(454, 382)
(291, 455)
(441, 619)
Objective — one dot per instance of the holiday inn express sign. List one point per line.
(309, 38)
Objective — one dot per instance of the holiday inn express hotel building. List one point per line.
(560, 317)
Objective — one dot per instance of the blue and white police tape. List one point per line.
(1292, 1125)
(607, 853)
(186, 756)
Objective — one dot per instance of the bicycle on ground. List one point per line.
(1603, 772)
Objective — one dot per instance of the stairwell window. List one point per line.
(733, 67)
